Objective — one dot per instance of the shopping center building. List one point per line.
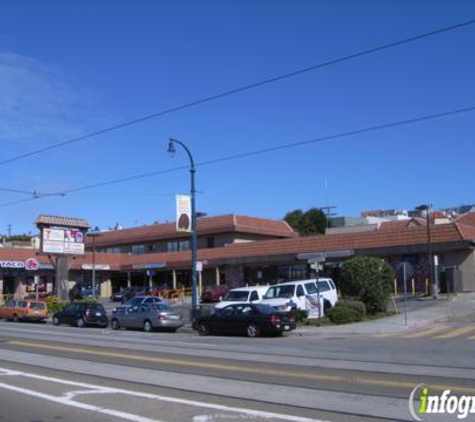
(237, 250)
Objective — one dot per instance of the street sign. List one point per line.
(199, 266)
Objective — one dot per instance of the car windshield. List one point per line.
(37, 305)
(134, 301)
(97, 308)
(237, 296)
(283, 291)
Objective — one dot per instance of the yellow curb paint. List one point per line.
(425, 333)
(455, 333)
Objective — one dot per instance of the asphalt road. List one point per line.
(95, 374)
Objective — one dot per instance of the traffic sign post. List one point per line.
(405, 270)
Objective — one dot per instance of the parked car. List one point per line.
(214, 293)
(126, 293)
(148, 317)
(86, 291)
(295, 295)
(24, 310)
(82, 314)
(250, 319)
(140, 300)
(253, 294)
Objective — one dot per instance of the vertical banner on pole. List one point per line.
(183, 213)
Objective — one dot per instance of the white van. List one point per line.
(302, 294)
(253, 294)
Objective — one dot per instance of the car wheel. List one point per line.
(15, 318)
(147, 326)
(326, 306)
(55, 320)
(81, 323)
(252, 330)
(115, 324)
(203, 329)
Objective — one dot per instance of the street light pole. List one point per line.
(94, 233)
(194, 273)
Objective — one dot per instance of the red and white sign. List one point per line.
(32, 264)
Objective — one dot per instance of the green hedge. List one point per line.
(344, 314)
(356, 305)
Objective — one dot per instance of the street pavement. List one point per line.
(351, 373)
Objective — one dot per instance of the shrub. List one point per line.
(342, 314)
(300, 315)
(369, 280)
(356, 305)
(54, 305)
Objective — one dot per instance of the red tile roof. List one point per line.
(417, 235)
(402, 224)
(212, 225)
(55, 220)
(443, 233)
(468, 219)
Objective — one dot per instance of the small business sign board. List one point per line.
(150, 266)
(183, 213)
(31, 264)
(97, 267)
(312, 257)
(63, 240)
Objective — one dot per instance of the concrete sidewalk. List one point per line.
(426, 312)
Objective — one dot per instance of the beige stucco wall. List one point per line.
(465, 261)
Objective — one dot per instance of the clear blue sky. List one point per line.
(70, 68)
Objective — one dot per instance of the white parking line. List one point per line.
(66, 399)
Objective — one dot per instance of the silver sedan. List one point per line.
(147, 317)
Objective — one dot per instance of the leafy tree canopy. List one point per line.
(310, 223)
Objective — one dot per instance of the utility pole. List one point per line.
(9, 227)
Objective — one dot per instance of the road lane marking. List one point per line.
(426, 333)
(343, 379)
(95, 389)
(156, 359)
(66, 401)
(457, 332)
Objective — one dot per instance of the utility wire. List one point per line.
(242, 89)
(25, 192)
(383, 126)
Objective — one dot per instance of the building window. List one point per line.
(178, 245)
(138, 249)
(210, 242)
(114, 249)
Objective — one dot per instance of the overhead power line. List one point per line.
(241, 89)
(289, 145)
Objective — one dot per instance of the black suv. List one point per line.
(82, 315)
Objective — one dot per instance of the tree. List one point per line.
(313, 222)
(368, 279)
(294, 218)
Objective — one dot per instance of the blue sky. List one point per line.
(71, 68)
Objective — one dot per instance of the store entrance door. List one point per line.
(8, 286)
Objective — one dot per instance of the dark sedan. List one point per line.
(82, 315)
(250, 319)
